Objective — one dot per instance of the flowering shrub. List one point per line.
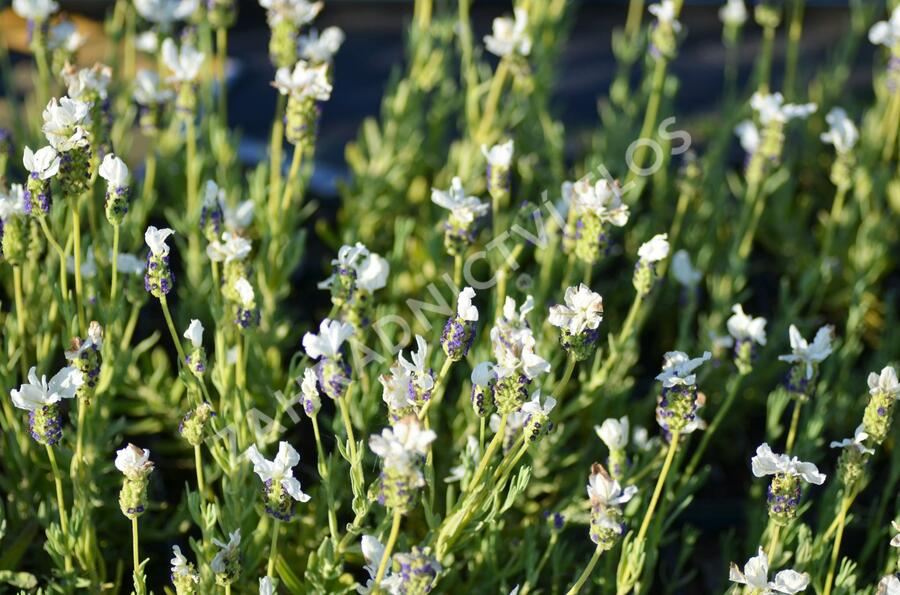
(691, 339)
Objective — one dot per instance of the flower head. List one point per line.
(280, 470)
(583, 310)
(35, 10)
(64, 123)
(499, 155)
(184, 575)
(858, 441)
(655, 249)
(770, 107)
(606, 491)
(603, 200)
(156, 240)
(184, 63)
(806, 353)
(464, 209)
(887, 33)
(756, 576)
(43, 163)
(766, 462)
(683, 271)
(147, 90)
(304, 81)
(509, 36)
(39, 392)
(678, 368)
(886, 382)
(320, 48)
(614, 433)
(114, 171)
(165, 13)
(134, 462)
(327, 343)
(194, 333)
(746, 328)
(733, 13)
(228, 551)
(465, 309)
(665, 14)
(233, 247)
(842, 133)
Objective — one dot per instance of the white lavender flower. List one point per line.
(41, 165)
(842, 132)
(356, 275)
(578, 320)
(783, 496)
(461, 227)
(226, 564)
(888, 585)
(408, 387)
(665, 15)
(280, 487)
(748, 332)
(65, 122)
(184, 575)
(304, 81)
(310, 393)
(683, 271)
(459, 332)
(499, 158)
(196, 359)
(320, 48)
(90, 85)
(537, 420)
(857, 442)
(677, 405)
(755, 575)
(509, 35)
(483, 378)
(64, 36)
(770, 107)
(266, 586)
(184, 62)
(607, 496)
(135, 464)
(246, 313)
(733, 13)
(895, 541)
(649, 254)
(614, 433)
(232, 247)
(115, 172)
(41, 399)
(402, 450)
(327, 347)
(159, 279)
(36, 11)
(806, 358)
(595, 208)
(165, 13)
(887, 33)
(884, 390)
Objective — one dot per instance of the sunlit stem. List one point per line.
(657, 491)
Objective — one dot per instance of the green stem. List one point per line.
(326, 480)
(388, 548)
(492, 447)
(567, 375)
(273, 550)
(275, 146)
(79, 291)
(587, 572)
(198, 463)
(79, 437)
(115, 264)
(134, 544)
(836, 548)
(296, 160)
(795, 31)
(438, 384)
(792, 432)
(837, 208)
(20, 318)
(165, 308)
(60, 503)
(222, 49)
(490, 106)
(635, 168)
(773, 543)
(457, 269)
(657, 491)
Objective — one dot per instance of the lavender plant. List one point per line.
(503, 309)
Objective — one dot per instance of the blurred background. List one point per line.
(375, 32)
